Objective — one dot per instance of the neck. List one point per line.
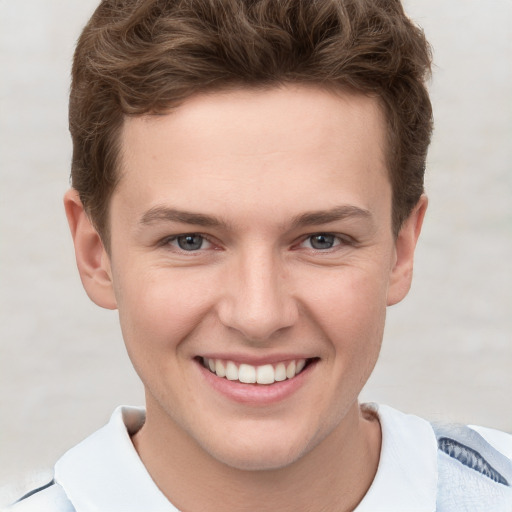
(335, 474)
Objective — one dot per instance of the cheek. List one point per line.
(159, 308)
(350, 308)
(347, 297)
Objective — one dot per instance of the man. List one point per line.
(248, 193)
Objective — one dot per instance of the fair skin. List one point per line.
(253, 228)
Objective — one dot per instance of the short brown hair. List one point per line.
(136, 57)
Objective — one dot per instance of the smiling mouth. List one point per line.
(249, 374)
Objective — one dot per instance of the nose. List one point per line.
(258, 301)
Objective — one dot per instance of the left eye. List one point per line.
(321, 241)
(190, 242)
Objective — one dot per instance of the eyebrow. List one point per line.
(165, 214)
(326, 216)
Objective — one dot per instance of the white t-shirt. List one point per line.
(421, 469)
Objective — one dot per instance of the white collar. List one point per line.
(406, 478)
(104, 472)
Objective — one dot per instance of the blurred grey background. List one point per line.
(447, 349)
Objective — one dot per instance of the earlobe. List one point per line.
(405, 245)
(92, 260)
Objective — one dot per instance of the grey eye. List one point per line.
(322, 241)
(190, 242)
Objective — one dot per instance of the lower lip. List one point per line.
(256, 394)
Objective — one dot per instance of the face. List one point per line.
(251, 240)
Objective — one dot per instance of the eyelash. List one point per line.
(337, 240)
(175, 238)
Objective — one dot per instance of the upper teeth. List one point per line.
(249, 374)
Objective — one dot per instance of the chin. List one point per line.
(261, 452)
(257, 460)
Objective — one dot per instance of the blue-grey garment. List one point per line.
(50, 497)
(473, 476)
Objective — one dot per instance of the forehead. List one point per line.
(283, 149)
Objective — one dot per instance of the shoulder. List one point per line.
(501, 441)
(102, 472)
(48, 498)
(447, 468)
(475, 471)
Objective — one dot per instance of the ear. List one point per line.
(405, 244)
(91, 258)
